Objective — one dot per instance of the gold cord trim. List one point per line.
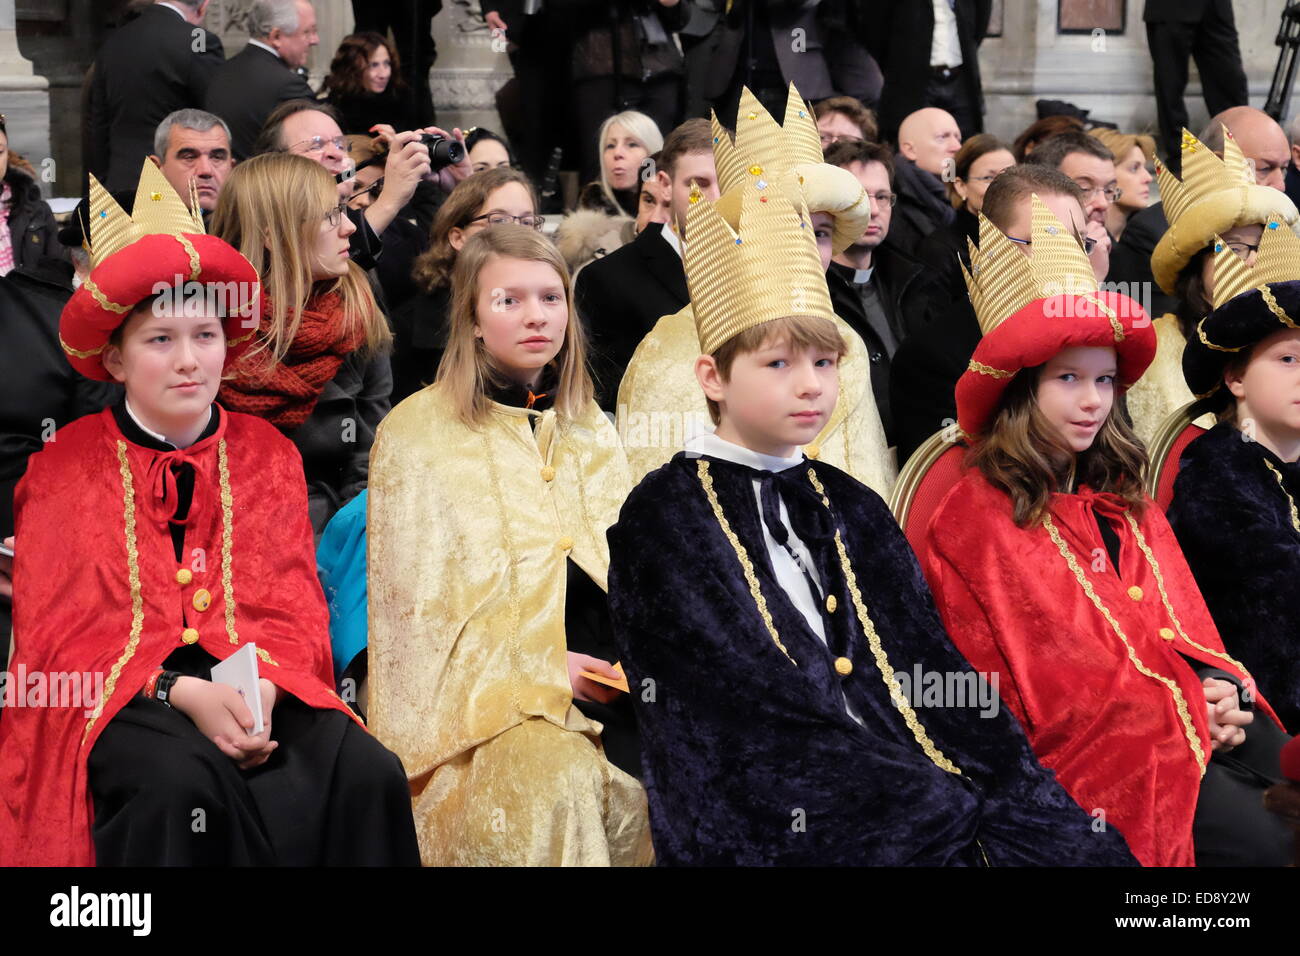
(1200, 334)
(1164, 597)
(133, 577)
(878, 651)
(241, 340)
(1295, 517)
(1276, 309)
(78, 353)
(747, 566)
(103, 300)
(1189, 728)
(1109, 313)
(989, 370)
(195, 268)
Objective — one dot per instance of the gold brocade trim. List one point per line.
(103, 300)
(1295, 518)
(133, 577)
(227, 512)
(1276, 309)
(1164, 597)
(1109, 313)
(512, 574)
(742, 556)
(989, 370)
(1200, 334)
(1189, 728)
(78, 353)
(878, 651)
(195, 268)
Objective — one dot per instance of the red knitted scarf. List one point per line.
(285, 393)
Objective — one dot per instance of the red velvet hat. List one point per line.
(159, 250)
(1033, 307)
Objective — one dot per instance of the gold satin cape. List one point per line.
(468, 532)
(1162, 389)
(661, 405)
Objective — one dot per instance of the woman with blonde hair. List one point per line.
(626, 141)
(1133, 153)
(490, 641)
(485, 199)
(316, 369)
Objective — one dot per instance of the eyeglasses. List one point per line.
(1085, 243)
(885, 199)
(1242, 249)
(318, 143)
(1111, 193)
(982, 179)
(501, 219)
(335, 215)
(375, 188)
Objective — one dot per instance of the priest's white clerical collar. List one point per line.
(153, 434)
(710, 444)
(863, 276)
(671, 238)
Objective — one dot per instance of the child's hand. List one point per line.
(222, 716)
(584, 688)
(1227, 719)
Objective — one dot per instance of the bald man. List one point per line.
(1262, 141)
(927, 141)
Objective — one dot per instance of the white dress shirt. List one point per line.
(945, 47)
(671, 238)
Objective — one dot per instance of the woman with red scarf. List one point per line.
(1053, 570)
(316, 369)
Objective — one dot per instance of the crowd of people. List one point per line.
(561, 537)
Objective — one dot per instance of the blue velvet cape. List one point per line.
(1234, 523)
(749, 759)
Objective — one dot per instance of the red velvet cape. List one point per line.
(74, 606)
(1012, 605)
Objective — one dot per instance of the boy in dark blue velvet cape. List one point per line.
(798, 698)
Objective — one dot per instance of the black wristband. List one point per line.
(163, 689)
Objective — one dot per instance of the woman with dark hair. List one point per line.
(420, 324)
(365, 85)
(487, 150)
(27, 227)
(1054, 572)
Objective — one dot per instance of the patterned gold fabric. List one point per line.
(660, 405)
(1162, 389)
(468, 534)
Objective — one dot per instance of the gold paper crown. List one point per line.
(1204, 173)
(761, 143)
(750, 258)
(1278, 260)
(1002, 280)
(157, 210)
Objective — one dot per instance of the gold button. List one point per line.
(831, 603)
(202, 599)
(1167, 633)
(565, 543)
(190, 636)
(548, 473)
(184, 576)
(1135, 593)
(812, 451)
(843, 666)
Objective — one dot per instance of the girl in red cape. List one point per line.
(1053, 570)
(153, 540)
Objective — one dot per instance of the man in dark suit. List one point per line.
(1204, 29)
(928, 51)
(160, 62)
(868, 280)
(623, 295)
(249, 86)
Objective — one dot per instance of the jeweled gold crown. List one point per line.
(1002, 280)
(157, 210)
(750, 258)
(1204, 173)
(761, 143)
(1277, 260)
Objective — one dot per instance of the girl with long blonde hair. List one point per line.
(490, 645)
(316, 369)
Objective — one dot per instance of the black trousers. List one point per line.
(1213, 43)
(595, 99)
(330, 794)
(1231, 827)
(953, 94)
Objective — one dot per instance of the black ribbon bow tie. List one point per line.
(810, 519)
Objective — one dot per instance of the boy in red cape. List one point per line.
(153, 540)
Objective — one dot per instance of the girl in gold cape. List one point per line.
(490, 494)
